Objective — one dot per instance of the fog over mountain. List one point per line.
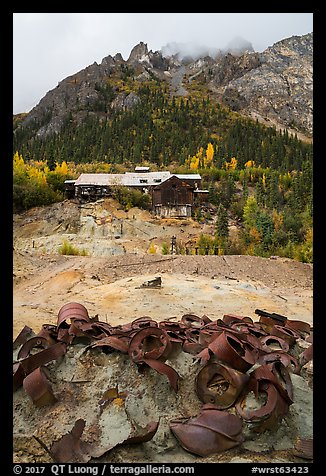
(193, 51)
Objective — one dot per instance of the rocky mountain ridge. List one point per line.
(275, 86)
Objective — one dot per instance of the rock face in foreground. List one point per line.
(138, 392)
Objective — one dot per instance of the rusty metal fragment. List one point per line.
(72, 310)
(230, 349)
(32, 343)
(70, 448)
(230, 319)
(301, 327)
(219, 384)
(38, 387)
(112, 342)
(192, 347)
(32, 362)
(268, 415)
(287, 360)
(49, 332)
(277, 374)
(272, 386)
(150, 344)
(165, 369)
(306, 355)
(142, 435)
(25, 334)
(191, 320)
(111, 394)
(268, 343)
(304, 448)
(210, 432)
(145, 321)
(286, 333)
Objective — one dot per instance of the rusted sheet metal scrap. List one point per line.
(149, 345)
(273, 382)
(70, 448)
(210, 432)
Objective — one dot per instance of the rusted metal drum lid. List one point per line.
(216, 383)
(72, 310)
(268, 340)
(149, 343)
(286, 333)
(236, 353)
(230, 319)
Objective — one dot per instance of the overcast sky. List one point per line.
(48, 47)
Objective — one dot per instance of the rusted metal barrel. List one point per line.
(72, 310)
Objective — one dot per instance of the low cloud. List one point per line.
(190, 50)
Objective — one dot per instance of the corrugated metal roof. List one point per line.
(131, 179)
(145, 179)
(188, 176)
(128, 179)
(100, 179)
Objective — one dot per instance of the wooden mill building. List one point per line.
(173, 195)
(173, 198)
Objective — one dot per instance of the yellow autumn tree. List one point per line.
(196, 161)
(19, 163)
(19, 167)
(250, 164)
(61, 169)
(255, 235)
(36, 175)
(231, 165)
(277, 218)
(208, 162)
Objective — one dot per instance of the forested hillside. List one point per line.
(258, 177)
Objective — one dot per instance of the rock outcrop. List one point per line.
(275, 85)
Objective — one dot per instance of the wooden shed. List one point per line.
(173, 198)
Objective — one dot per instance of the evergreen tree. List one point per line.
(222, 223)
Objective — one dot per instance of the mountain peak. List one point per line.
(275, 85)
(138, 52)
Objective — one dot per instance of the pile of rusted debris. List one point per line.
(239, 361)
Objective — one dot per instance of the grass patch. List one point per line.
(68, 249)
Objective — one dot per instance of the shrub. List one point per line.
(165, 248)
(68, 249)
(152, 249)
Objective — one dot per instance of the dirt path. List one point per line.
(110, 287)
